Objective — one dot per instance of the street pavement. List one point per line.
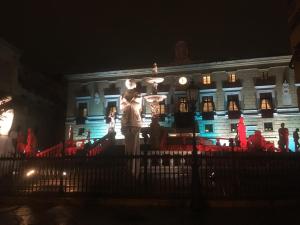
(90, 213)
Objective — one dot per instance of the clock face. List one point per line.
(182, 80)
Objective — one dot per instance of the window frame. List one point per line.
(230, 78)
(266, 129)
(210, 129)
(206, 79)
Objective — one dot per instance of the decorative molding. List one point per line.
(193, 68)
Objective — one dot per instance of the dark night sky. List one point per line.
(58, 36)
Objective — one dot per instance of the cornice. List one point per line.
(184, 69)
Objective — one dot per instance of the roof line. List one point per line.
(200, 67)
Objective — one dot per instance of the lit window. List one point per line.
(207, 104)
(232, 106)
(183, 105)
(233, 127)
(268, 126)
(206, 79)
(232, 78)
(265, 104)
(82, 109)
(111, 111)
(209, 128)
(162, 107)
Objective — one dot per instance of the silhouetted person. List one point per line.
(283, 138)
(296, 139)
(218, 142)
(231, 143)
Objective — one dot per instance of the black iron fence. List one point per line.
(227, 175)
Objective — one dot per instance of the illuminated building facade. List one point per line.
(262, 90)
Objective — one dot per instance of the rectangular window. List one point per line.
(111, 111)
(206, 79)
(80, 131)
(82, 109)
(232, 78)
(111, 108)
(266, 101)
(265, 104)
(207, 104)
(268, 126)
(183, 104)
(208, 128)
(233, 103)
(233, 127)
(162, 107)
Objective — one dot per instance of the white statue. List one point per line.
(131, 122)
(286, 96)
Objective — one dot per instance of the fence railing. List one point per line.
(221, 175)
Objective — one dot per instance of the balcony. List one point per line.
(234, 114)
(265, 81)
(227, 84)
(80, 120)
(163, 88)
(112, 90)
(267, 113)
(207, 115)
(212, 85)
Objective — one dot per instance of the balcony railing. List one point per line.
(208, 115)
(80, 120)
(265, 81)
(267, 113)
(212, 85)
(234, 114)
(227, 84)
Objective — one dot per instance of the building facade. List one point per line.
(262, 90)
(38, 100)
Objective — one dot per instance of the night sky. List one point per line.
(58, 36)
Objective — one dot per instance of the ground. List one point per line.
(90, 213)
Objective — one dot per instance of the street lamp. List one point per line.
(192, 98)
(192, 94)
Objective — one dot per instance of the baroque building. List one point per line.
(262, 90)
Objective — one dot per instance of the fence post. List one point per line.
(196, 200)
(145, 158)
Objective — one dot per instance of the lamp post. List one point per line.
(192, 97)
